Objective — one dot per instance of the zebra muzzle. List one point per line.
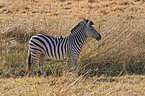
(99, 37)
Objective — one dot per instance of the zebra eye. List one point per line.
(92, 29)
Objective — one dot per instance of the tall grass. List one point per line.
(121, 24)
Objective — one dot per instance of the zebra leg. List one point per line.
(34, 60)
(74, 62)
(68, 65)
(32, 67)
(29, 63)
(41, 62)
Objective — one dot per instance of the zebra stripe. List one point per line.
(60, 48)
(54, 48)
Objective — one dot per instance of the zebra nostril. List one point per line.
(99, 37)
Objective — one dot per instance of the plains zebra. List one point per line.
(59, 48)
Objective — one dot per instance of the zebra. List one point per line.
(69, 47)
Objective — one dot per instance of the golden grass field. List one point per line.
(113, 66)
(133, 85)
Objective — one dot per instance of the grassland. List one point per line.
(120, 52)
(71, 86)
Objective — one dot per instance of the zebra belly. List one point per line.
(57, 54)
(50, 55)
(57, 58)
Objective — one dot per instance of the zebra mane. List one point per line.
(82, 24)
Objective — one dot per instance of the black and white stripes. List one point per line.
(53, 48)
(59, 48)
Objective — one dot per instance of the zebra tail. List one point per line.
(29, 63)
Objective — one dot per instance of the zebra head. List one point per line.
(90, 31)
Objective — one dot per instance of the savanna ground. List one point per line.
(113, 66)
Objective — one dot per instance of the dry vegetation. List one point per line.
(72, 86)
(121, 50)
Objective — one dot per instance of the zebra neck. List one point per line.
(81, 38)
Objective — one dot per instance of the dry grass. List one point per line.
(121, 24)
(70, 85)
(101, 64)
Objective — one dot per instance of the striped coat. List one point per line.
(59, 48)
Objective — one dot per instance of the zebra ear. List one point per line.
(89, 23)
(85, 20)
